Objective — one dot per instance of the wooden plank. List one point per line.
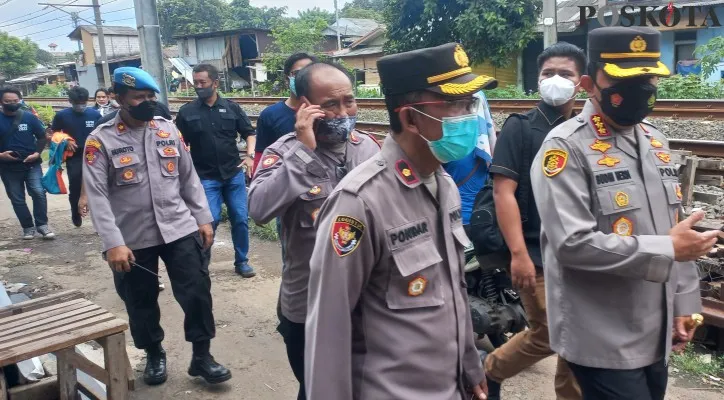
(46, 389)
(51, 316)
(114, 348)
(3, 385)
(711, 180)
(38, 330)
(78, 361)
(712, 164)
(709, 198)
(679, 156)
(67, 378)
(687, 180)
(73, 304)
(30, 305)
(131, 374)
(83, 331)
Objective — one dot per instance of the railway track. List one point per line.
(697, 109)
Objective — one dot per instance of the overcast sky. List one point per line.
(44, 26)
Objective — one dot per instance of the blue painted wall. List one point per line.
(667, 50)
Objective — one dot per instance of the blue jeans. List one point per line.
(15, 182)
(231, 192)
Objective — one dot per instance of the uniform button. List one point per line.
(579, 119)
(381, 163)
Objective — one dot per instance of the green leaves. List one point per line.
(17, 56)
(490, 30)
(689, 87)
(710, 55)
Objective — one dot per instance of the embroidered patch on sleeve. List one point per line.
(346, 234)
(91, 155)
(554, 161)
(93, 143)
(269, 160)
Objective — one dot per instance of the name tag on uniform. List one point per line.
(222, 110)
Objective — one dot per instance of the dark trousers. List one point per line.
(648, 383)
(74, 167)
(188, 269)
(293, 335)
(16, 179)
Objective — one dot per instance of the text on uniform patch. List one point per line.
(610, 177)
(122, 150)
(409, 233)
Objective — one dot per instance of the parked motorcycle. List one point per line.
(495, 306)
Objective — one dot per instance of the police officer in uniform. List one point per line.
(388, 313)
(147, 203)
(620, 277)
(296, 175)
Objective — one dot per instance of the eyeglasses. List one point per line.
(468, 104)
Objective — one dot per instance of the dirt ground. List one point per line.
(244, 310)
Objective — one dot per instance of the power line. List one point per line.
(115, 11)
(48, 30)
(5, 2)
(117, 20)
(36, 23)
(50, 37)
(37, 16)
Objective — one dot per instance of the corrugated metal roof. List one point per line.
(222, 33)
(32, 77)
(356, 27)
(110, 30)
(359, 52)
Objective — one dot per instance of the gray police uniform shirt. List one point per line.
(141, 185)
(388, 308)
(608, 200)
(292, 181)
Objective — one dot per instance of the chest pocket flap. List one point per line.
(618, 199)
(228, 120)
(416, 257)
(125, 160)
(169, 160)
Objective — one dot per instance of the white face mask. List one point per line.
(556, 90)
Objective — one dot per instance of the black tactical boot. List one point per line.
(204, 365)
(155, 372)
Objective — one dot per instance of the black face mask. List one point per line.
(12, 107)
(205, 93)
(628, 102)
(144, 111)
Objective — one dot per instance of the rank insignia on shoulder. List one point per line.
(679, 195)
(163, 134)
(608, 161)
(664, 156)
(600, 145)
(125, 160)
(183, 142)
(623, 227)
(354, 138)
(128, 174)
(406, 172)
(91, 155)
(622, 199)
(153, 124)
(346, 234)
(655, 143)
(599, 126)
(416, 286)
(93, 143)
(554, 161)
(171, 166)
(121, 127)
(269, 160)
(315, 190)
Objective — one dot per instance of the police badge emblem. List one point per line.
(346, 234)
(416, 286)
(554, 160)
(623, 227)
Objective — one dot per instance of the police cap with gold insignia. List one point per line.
(627, 52)
(443, 69)
(134, 78)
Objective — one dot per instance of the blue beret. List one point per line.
(135, 78)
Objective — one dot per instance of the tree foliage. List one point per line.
(44, 57)
(366, 9)
(710, 55)
(184, 17)
(317, 13)
(490, 30)
(17, 56)
(244, 15)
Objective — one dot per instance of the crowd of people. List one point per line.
(373, 301)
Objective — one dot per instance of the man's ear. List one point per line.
(305, 101)
(407, 120)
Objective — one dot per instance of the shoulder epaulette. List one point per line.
(364, 173)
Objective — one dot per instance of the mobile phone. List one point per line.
(15, 154)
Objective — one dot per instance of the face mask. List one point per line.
(12, 107)
(79, 108)
(556, 90)
(292, 85)
(144, 111)
(628, 102)
(459, 137)
(335, 130)
(205, 93)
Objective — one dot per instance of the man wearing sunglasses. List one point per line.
(295, 176)
(388, 310)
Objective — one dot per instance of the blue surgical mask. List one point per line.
(292, 86)
(459, 137)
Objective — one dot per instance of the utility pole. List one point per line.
(149, 32)
(336, 16)
(550, 23)
(99, 26)
(74, 17)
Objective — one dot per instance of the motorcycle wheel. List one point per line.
(498, 340)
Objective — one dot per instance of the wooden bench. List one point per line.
(56, 324)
